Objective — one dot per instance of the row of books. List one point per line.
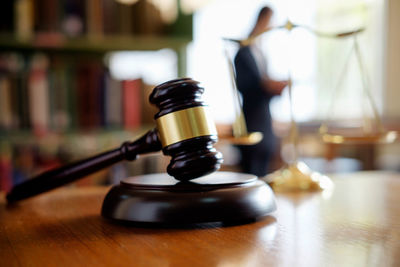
(46, 94)
(76, 18)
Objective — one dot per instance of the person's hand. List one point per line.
(274, 87)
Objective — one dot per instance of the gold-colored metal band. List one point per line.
(185, 124)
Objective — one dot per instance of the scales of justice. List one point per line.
(296, 175)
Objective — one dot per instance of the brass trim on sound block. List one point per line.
(185, 124)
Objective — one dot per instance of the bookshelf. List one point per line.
(98, 46)
(63, 104)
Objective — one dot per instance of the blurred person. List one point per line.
(257, 89)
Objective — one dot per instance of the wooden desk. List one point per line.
(358, 224)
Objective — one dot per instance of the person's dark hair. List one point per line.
(266, 10)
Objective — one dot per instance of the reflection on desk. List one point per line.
(357, 224)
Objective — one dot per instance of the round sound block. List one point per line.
(160, 199)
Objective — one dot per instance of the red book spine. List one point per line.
(88, 88)
(132, 103)
(5, 174)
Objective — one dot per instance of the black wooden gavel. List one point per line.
(184, 131)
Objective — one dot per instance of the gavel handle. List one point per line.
(74, 171)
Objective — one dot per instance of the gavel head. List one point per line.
(186, 130)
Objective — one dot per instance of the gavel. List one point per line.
(185, 132)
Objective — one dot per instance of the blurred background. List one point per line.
(75, 77)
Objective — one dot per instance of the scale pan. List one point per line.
(377, 138)
(248, 139)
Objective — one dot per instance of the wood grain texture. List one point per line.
(358, 224)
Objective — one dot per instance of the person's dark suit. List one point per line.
(256, 100)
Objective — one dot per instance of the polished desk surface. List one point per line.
(357, 224)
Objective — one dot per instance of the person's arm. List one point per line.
(249, 80)
(273, 87)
